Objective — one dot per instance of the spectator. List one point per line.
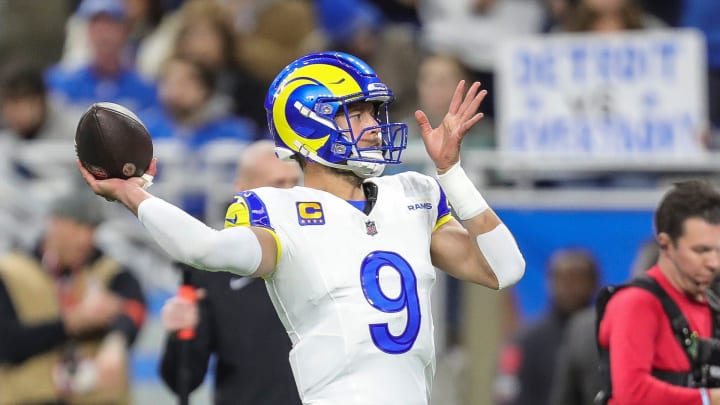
(29, 115)
(596, 16)
(608, 16)
(68, 314)
(109, 75)
(27, 112)
(192, 114)
(234, 320)
(142, 18)
(207, 36)
(437, 75)
(528, 362)
(190, 109)
(202, 30)
(36, 159)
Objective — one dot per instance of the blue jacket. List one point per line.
(83, 87)
(162, 126)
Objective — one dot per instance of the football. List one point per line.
(112, 142)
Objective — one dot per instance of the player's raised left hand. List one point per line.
(443, 143)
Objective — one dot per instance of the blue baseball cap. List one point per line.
(113, 8)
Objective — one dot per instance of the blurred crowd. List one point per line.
(196, 72)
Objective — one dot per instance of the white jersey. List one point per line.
(353, 290)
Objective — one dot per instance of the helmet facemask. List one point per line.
(368, 161)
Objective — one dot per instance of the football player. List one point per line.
(349, 257)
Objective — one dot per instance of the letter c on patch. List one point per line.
(310, 210)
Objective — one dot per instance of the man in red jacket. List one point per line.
(648, 365)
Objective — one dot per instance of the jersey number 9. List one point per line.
(407, 300)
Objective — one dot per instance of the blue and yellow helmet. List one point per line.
(309, 93)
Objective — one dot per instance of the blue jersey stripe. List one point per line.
(443, 206)
(258, 212)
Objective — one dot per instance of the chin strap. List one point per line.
(373, 169)
(366, 170)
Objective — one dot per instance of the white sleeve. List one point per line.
(188, 240)
(503, 255)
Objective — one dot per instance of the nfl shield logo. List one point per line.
(371, 229)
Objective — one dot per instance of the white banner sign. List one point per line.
(614, 95)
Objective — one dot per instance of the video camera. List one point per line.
(707, 372)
